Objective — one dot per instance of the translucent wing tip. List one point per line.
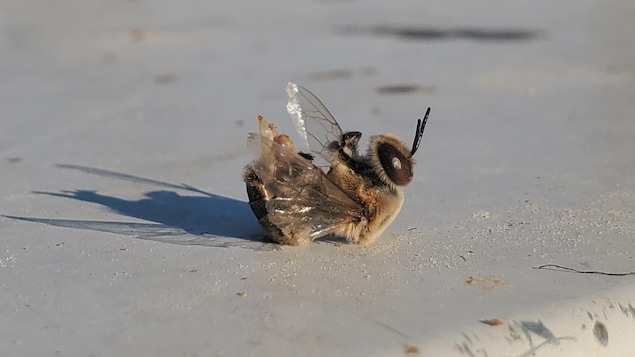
(293, 106)
(292, 89)
(295, 111)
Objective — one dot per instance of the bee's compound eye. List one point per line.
(395, 164)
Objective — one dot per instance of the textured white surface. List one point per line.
(122, 138)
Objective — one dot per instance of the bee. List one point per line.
(330, 188)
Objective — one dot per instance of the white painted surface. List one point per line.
(122, 138)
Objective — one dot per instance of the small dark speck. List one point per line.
(601, 333)
(15, 160)
(59, 244)
(492, 322)
(140, 35)
(342, 73)
(409, 350)
(165, 78)
(108, 57)
(437, 34)
(240, 123)
(403, 89)
(332, 74)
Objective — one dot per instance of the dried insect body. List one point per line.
(356, 198)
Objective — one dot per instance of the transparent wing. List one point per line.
(301, 197)
(315, 124)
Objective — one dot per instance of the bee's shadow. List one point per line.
(201, 219)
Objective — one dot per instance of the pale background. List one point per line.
(126, 229)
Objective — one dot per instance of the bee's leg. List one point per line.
(273, 233)
(255, 192)
(354, 233)
(364, 239)
(257, 201)
(288, 238)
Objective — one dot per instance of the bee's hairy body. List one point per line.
(360, 177)
(381, 204)
(295, 201)
(357, 176)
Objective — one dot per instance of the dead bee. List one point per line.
(296, 202)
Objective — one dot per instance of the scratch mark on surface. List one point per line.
(626, 310)
(389, 328)
(556, 267)
(467, 337)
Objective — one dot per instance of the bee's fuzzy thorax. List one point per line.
(352, 195)
(398, 148)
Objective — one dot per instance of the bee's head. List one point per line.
(391, 160)
(390, 157)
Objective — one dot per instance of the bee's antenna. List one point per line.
(419, 133)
